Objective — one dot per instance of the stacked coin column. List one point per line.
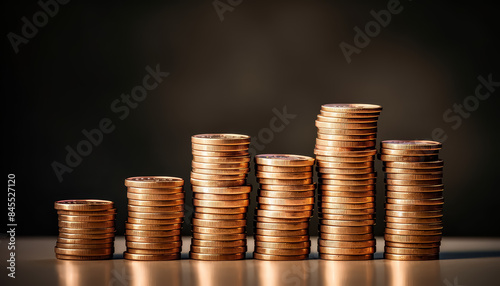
(220, 196)
(285, 205)
(86, 229)
(414, 199)
(155, 217)
(345, 153)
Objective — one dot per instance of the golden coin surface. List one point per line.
(215, 243)
(219, 237)
(220, 197)
(216, 257)
(152, 226)
(219, 148)
(84, 205)
(334, 222)
(412, 238)
(271, 257)
(349, 200)
(221, 166)
(152, 215)
(219, 223)
(414, 226)
(213, 183)
(345, 257)
(79, 257)
(284, 160)
(281, 194)
(282, 239)
(154, 245)
(286, 208)
(219, 216)
(151, 257)
(223, 190)
(153, 239)
(84, 252)
(221, 139)
(283, 245)
(77, 246)
(221, 160)
(220, 204)
(347, 244)
(410, 144)
(212, 210)
(407, 257)
(414, 214)
(352, 108)
(272, 232)
(282, 251)
(279, 169)
(218, 250)
(346, 229)
(346, 237)
(153, 197)
(282, 226)
(289, 188)
(282, 214)
(286, 202)
(221, 171)
(215, 230)
(286, 176)
(82, 218)
(156, 203)
(346, 251)
(158, 210)
(154, 182)
(157, 191)
(412, 251)
(153, 233)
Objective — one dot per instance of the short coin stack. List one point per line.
(345, 153)
(414, 199)
(220, 196)
(285, 205)
(155, 217)
(86, 229)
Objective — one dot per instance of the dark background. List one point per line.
(227, 76)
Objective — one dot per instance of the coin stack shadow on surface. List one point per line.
(220, 196)
(345, 153)
(285, 205)
(86, 229)
(155, 217)
(414, 199)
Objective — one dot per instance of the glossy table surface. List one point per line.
(464, 261)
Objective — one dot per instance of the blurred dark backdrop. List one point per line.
(228, 76)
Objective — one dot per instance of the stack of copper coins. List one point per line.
(86, 229)
(155, 217)
(414, 199)
(345, 153)
(285, 205)
(220, 196)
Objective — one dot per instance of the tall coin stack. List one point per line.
(414, 199)
(155, 217)
(220, 196)
(345, 153)
(285, 205)
(86, 229)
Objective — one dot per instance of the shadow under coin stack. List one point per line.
(220, 196)
(86, 229)
(414, 199)
(345, 153)
(285, 205)
(155, 217)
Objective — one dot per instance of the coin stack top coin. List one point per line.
(220, 196)
(414, 199)
(155, 217)
(285, 205)
(86, 229)
(345, 152)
